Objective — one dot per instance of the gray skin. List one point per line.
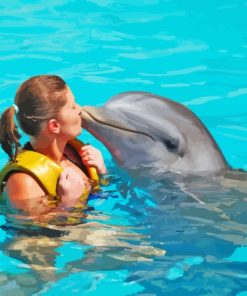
(146, 131)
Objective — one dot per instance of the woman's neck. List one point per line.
(53, 148)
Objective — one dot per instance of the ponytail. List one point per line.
(39, 99)
(9, 135)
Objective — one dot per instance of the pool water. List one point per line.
(135, 238)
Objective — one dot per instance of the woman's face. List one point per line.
(69, 117)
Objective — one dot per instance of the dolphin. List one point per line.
(146, 131)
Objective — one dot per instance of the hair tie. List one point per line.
(16, 108)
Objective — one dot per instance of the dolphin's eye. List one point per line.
(171, 144)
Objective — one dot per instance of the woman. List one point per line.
(45, 109)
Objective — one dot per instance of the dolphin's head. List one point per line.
(143, 130)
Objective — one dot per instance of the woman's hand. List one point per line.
(91, 156)
(70, 187)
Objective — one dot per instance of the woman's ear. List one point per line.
(53, 126)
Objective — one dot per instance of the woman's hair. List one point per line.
(38, 99)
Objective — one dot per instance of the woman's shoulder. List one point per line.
(21, 179)
(21, 185)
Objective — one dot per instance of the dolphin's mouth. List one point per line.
(120, 127)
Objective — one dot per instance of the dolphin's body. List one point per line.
(142, 130)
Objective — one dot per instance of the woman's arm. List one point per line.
(24, 193)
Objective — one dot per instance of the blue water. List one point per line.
(134, 240)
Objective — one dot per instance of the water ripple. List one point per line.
(184, 47)
(233, 127)
(233, 136)
(187, 70)
(202, 100)
(175, 85)
(30, 56)
(177, 72)
(237, 93)
(110, 36)
(90, 71)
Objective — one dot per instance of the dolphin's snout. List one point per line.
(86, 115)
(89, 112)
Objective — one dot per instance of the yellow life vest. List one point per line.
(45, 171)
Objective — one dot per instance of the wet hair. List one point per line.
(38, 99)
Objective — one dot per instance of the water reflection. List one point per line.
(160, 226)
